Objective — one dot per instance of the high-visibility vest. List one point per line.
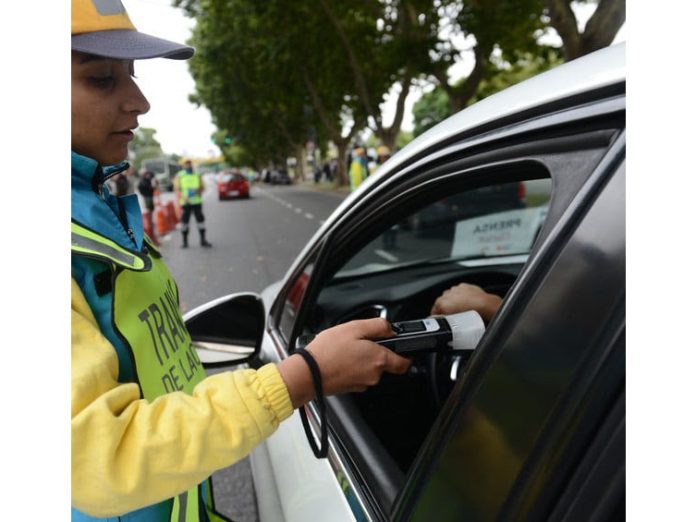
(189, 186)
(144, 296)
(358, 173)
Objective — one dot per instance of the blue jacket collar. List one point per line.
(87, 171)
(92, 205)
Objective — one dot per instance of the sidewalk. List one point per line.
(324, 186)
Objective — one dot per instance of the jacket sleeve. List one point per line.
(128, 453)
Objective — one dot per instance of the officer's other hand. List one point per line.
(464, 297)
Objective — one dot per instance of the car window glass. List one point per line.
(481, 236)
(480, 224)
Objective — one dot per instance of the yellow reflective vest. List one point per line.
(143, 446)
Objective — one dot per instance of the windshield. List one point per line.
(487, 225)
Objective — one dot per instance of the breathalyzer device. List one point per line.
(446, 333)
(456, 333)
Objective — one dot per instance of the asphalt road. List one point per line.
(254, 242)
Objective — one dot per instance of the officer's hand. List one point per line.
(347, 359)
(464, 297)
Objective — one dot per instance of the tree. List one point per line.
(273, 89)
(432, 108)
(144, 146)
(600, 30)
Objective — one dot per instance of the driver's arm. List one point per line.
(464, 297)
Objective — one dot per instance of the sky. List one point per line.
(185, 129)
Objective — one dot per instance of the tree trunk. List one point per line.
(342, 168)
(388, 135)
(300, 163)
(459, 96)
(600, 30)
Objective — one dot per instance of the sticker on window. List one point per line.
(498, 234)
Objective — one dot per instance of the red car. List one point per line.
(232, 184)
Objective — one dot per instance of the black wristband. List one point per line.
(321, 451)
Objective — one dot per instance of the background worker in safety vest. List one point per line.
(358, 168)
(143, 450)
(189, 188)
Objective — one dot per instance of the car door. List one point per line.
(385, 443)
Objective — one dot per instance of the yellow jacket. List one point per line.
(128, 453)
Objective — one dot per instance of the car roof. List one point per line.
(593, 71)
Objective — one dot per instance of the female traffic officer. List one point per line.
(138, 452)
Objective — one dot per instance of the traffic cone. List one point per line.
(147, 223)
(161, 221)
(178, 211)
(171, 214)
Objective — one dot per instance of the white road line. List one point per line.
(386, 255)
(308, 215)
(298, 210)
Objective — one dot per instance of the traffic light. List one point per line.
(227, 140)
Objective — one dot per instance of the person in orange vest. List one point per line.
(145, 436)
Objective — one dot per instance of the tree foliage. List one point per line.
(144, 146)
(277, 74)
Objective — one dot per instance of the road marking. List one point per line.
(308, 215)
(298, 210)
(386, 255)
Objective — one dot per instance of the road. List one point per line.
(254, 242)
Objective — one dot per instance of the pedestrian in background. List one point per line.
(147, 187)
(358, 168)
(122, 184)
(383, 154)
(140, 451)
(189, 188)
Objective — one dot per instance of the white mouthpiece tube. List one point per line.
(467, 329)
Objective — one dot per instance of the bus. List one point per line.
(164, 169)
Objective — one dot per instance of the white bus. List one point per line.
(164, 169)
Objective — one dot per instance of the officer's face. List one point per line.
(106, 104)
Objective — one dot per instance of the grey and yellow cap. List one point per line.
(103, 28)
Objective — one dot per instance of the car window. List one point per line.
(482, 224)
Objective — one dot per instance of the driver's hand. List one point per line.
(347, 358)
(464, 297)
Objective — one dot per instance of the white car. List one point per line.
(531, 425)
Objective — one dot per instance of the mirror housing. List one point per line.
(227, 330)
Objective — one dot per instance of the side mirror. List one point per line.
(228, 330)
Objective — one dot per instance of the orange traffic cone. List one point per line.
(161, 221)
(171, 214)
(147, 223)
(178, 211)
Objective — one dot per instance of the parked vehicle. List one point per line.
(232, 184)
(531, 426)
(280, 177)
